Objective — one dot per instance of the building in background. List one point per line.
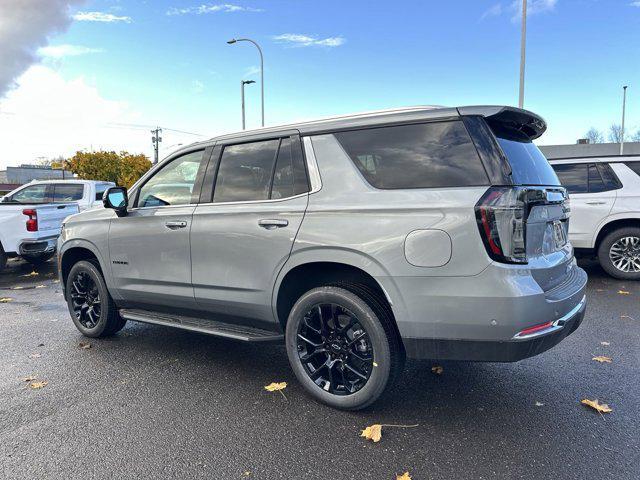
(13, 177)
(582, 150)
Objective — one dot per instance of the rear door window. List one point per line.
(528, 165)
(429, 155)
(66, 193)
(574, 177)
(245, 172)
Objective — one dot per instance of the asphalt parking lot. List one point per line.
(153, 402)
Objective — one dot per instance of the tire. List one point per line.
(624, 244)
(335, 360)
(38, 259)
(89, 286)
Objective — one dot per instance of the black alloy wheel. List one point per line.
(85, 299)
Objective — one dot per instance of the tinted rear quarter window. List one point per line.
(528, 165)
(429, 155)
(573, 176)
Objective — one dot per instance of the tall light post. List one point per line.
(624, 105)
(242, 84)
(523, 48)
(235, 40)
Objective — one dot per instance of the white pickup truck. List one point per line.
(31, 216)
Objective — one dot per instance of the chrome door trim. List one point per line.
(312, 165)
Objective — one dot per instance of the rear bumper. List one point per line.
(38, 247)
(497, 351)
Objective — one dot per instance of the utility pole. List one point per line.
(523, 48)
(156, 139)
(242, 84)
(624, 105)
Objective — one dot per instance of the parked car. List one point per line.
(437, 233)
(86, 193)
(31, 230)
(605, 210)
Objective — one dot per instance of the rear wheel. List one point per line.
(38, 259)
(342, 346)
(619, 253)
(90, 305)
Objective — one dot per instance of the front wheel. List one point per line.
(90, 305)
(342, 346)
(619, 253)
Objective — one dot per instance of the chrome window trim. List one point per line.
(312, 165)
(249, 202)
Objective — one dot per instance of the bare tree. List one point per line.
(636, 136)
(594, 135)
(615, 133)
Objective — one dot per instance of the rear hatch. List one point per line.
(529, 213)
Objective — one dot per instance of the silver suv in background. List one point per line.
(436, 233)
(605, 206)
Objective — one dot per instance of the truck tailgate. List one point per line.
(51, 216)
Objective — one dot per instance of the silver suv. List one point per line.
(436, 233)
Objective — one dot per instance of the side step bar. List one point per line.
(210, 327)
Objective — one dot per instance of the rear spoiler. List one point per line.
(513, 118)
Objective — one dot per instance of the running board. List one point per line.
(201, 325)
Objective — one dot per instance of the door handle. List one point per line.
(596, 203)
(174, 225)
(271, 223)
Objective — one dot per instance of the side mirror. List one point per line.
(116, 198)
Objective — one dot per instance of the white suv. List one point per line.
(605, 210)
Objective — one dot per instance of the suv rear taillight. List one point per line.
(501, 216)
(32, 222)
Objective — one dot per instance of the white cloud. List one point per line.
(493, 11)
(300, 40)
(514, 9)
(66, 50)
(101, 17)
(251, 71)
(211, 8)
(635, 3)
(197, 86)
(25, 26)
(48, 116)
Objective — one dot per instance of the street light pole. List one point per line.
(242, 84)
(235, 40)
(624, 104)
(523, 48)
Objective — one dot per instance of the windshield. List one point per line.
(529, 166)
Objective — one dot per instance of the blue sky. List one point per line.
(168, 62)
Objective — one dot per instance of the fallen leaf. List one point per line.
(41, 344)
(539, 404)
(247, 473)
(32, 274)
(437, 369)
(35, 355)
(375, 364)
(40, 286)
(372, 432)
(17, 288)
(627, 316)
(5, 299)
(38, 385)
(84, 345)
(600, 407)
(602, 359)
(605, 344)
(404, 476)
(275, 387)
(623, 292)
(30, 378)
